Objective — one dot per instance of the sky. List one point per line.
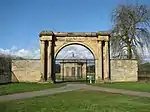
(21, 21)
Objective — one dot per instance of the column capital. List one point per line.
(103, 38)
(106, 41)
(49, 38)
(50, 42)
(99, 42)
(42, 41)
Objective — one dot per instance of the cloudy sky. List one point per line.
(22, 20)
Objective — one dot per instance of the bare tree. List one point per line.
(130, 35)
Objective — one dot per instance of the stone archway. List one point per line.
(97, 42)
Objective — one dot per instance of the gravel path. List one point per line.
(69, 87)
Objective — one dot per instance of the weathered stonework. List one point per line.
(123, 70)
(26, 70)
(52, 42)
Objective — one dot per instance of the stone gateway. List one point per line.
(97, 42)
(106, 69)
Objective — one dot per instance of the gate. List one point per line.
(74, 70)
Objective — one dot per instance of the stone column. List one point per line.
(98, 63)
(49, 59)
(42, 56)
(106, 63)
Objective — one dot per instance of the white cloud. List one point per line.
(5, 51)
(21, 52)
(25, 53)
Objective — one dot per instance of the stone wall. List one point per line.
(25, 70)
(29, 70)
(123, 70)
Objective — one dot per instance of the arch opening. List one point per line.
(82, 46)
(74, 62)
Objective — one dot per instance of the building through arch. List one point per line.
(71, 68)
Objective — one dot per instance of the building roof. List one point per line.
(74, 58)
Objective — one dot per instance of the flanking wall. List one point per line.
(123, 70)
(29, 70)
(26, 70)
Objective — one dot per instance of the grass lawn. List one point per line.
(24, 87)
(79, 101)
(135, 86)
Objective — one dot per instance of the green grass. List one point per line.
(135, 86)
(25, 87)
(79, 101)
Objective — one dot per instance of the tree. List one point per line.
(130, 35)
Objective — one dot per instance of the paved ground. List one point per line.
(69, 87)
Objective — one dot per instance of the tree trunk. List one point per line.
(129, 52)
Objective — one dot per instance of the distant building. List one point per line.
(73, 67)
